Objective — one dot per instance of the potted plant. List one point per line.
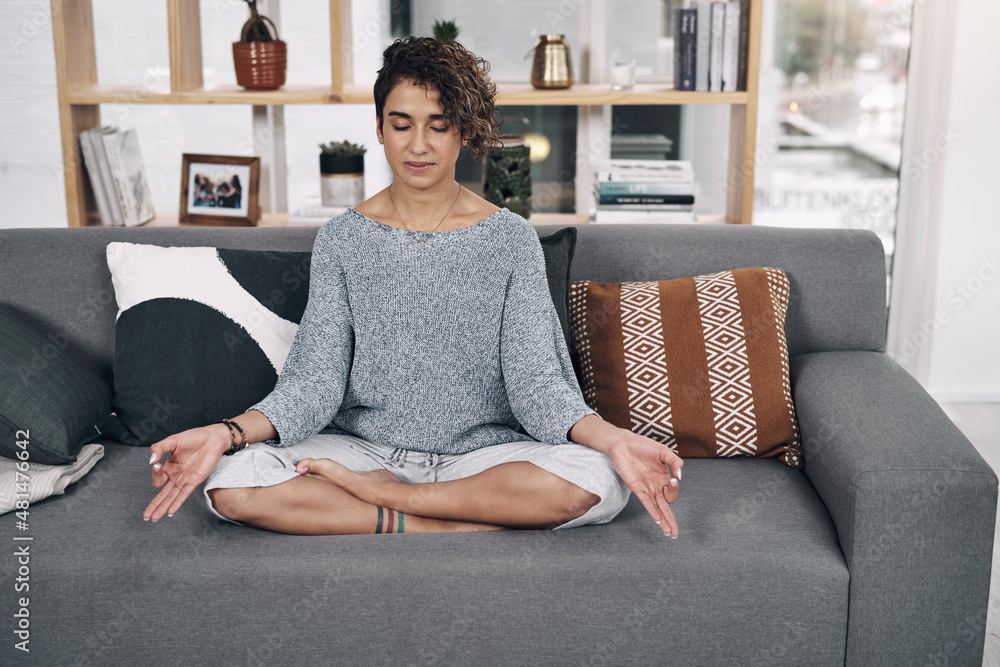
(260, 57)
(445, 31)
(342, 173)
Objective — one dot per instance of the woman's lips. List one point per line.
(418, 167)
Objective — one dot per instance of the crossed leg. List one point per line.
(330, 499)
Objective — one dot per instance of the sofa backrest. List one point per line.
(837, 276)
(59, 278)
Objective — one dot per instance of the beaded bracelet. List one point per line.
(233, 427)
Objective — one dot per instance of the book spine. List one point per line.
(679, 200)
(94, 173)
(135, 176)
(715, 67)
(703, 51)
(644, 188)
(640, 218)
(685, 43)
(741, 75)
(731, 47)
(109, 187)
(645, 207)
(640, 176)
(119, 178)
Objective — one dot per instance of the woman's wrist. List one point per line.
(596, 433)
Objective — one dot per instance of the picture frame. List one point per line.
(219, 190)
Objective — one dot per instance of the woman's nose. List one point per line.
(420, 142)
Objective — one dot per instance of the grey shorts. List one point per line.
(265, 465)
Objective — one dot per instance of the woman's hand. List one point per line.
(193, 455)
(653, 472)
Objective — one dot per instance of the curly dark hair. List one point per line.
(467, 93)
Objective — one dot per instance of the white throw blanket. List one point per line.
(43, 480)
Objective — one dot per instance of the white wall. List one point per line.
(946, 319)
(965, 359)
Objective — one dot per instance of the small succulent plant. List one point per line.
(445, 31)
(343, 148)
(258, 27)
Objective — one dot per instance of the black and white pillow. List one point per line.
(201, 334)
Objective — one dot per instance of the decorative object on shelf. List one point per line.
(622, 74)
(507, 175)
(260, 57)
(342, 173)
(220, 190)
(553, 65)
(445, 31)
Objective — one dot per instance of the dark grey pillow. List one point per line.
(48, 398)
(558, 249)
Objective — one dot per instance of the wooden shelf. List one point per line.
(582, 94)
(232, 94)
(81, 94)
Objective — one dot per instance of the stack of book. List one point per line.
(710, 46)
(117, 177)
(313, 214)
(645, 191)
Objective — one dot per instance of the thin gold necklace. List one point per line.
(422, 240)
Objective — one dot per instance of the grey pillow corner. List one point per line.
(46, 394)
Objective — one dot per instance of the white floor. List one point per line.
(980, 422)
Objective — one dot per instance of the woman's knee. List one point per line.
(578, 502)
(235, 504)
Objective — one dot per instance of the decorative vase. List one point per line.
(342, 179)
(552, 66)
(260, 65)
(507, 175)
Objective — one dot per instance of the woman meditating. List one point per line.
(429, 338)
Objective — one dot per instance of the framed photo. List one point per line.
(220, 190)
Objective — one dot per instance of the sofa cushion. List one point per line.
(201, 334)
(48, 399)
(699, 364)
(558, 249)
(756, 572)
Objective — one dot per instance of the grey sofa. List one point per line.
(878, 553)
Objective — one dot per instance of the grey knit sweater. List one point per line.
(443, 348)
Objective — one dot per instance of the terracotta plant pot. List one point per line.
(260, 65)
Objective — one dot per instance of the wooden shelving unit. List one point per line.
(80, 93)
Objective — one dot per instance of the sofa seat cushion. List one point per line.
(756, 574)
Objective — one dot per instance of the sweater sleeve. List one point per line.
(311, 384)
(542, 388)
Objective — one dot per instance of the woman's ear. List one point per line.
(378, 130)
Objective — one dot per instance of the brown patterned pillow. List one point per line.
(699, 364)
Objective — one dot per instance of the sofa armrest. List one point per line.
(913, 502)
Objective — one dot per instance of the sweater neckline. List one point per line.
(391, 228)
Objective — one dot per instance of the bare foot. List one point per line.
(378, 487)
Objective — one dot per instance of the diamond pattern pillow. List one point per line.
(699, 364)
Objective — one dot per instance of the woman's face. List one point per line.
(421, 145)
